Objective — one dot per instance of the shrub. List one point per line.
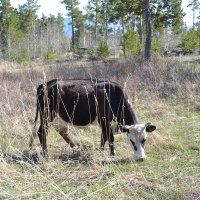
(132, 44)
(190, 41)
(23, 58)
(103, 49)
(156, 46)
(49, 56)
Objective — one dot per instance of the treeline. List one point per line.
(126, 23)
(121, 26)
(24, 36)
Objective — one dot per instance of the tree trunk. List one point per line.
(96, 20)
(123, 31)
(133, 22)
(193, 17)
(106, 24)
(73, 36)
(149, 32)
(141, 30)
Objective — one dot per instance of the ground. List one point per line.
(172, 170)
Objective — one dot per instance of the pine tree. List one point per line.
(149, 32)
(73, 12)
(105, 15)
(195, 4)
(93, 16)
(6, 12)
(167, 13)
(28, 25)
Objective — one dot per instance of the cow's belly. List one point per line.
(81, 115)
(78, 121)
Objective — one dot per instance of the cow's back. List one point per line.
(77, 101)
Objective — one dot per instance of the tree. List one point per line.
(28, 25)
(190, 41)
(51, 37)
(103, 49)
(195, 4)
(73, 12)
(105, 15)
(149, 32)
(132, 43)
(6, 12)
(93, 15)
(119, 12)
(27, 15)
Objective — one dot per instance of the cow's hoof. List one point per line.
(45, 155)
(76, 148)
(101, 149)
(112, 153)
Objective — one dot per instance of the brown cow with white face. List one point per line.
(79, 102)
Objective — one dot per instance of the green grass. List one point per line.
(172, 170)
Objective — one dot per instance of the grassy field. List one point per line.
(166, 93)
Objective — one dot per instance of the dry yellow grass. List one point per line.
(172, 170)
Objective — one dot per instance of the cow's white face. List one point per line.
(137, 135)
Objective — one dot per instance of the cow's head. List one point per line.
(137, 135)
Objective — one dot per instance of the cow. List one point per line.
(80, 102)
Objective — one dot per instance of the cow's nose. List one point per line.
(140, 159)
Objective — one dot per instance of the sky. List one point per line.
(56, 7)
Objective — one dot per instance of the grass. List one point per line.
(172, 170)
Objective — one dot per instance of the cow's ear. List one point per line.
(150, 127)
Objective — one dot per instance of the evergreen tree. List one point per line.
(195, 4)
(167, 13)
(190, 41)
(105, 15)
(103, 49)
(149, 32)
(119, 12)
(6, 12)
(28, 25)
(52, 39)
(73, 12)
(93, 16)
(28, 16)
(132, 43)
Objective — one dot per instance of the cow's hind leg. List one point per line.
(42, 131)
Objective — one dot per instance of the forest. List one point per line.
(105, 28)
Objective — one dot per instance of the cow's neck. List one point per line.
(130, 118)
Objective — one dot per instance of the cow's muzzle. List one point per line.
(140, 159)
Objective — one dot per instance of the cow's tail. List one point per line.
(34, 130)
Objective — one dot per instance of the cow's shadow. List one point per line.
(21, 158)
(87, 159)
(76, 157)
(116, 161)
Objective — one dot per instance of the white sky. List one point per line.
(56, 7)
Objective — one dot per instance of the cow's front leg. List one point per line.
(111, 144)
(103, 141)
(63, 132)
(107, 135)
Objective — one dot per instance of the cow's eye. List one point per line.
(143, 141)
(134, 146)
